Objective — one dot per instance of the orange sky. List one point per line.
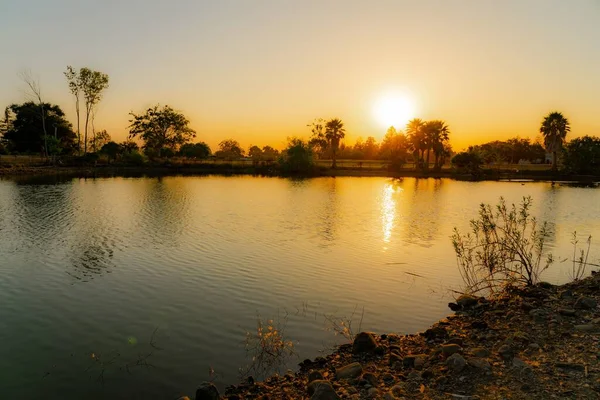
(259, 71)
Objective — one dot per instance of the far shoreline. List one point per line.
(229, 170)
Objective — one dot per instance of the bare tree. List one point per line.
(92, 84)
(75, 88)
(34, 90)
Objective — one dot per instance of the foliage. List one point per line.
(195, 150)
(230, 149)
(510, 151)
(469, 161)
(554, 128)
(269, 153)
(100, 139)
(582, 155)
(344, 326)
(268, 348)
(161, 128)
(327, 136)
(437, 138)
(111, 149)
(580, 263)
(505, 248)
(297, 157)
(129, 146)
(394, 147)
(134, 158)
(255, 153)
(24, 134)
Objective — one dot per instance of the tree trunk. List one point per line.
(78, 126)
(87, 118)
(427, 161)
(333, 164)
(554, 161)
(44, 129)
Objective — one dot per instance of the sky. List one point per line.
(259, 71)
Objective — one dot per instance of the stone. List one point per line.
(479, 363)
(437, 332)
(315, 375)
(397, 390)
(371, 378)
(395, 358)
(586, 303)
(571, 366)
(413, 376)
(379, 350)
(389, 396)
(481, 352)
(419, 361)
(372, 393)
(349, 371)
(587, 328)
(566, 294)
(322, 390)
(455, 340)
(518, 363)
(569, 312)
(449, 349)
(427, 374)
(364, 342)
(466, 301)
(506, 352)
(538, 315)
(388, 378)
(207, 391)
(456, 363)
(533, 346)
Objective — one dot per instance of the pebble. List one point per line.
(349, 371)
(456, 363)
(449, 349)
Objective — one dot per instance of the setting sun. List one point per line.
(394, 110)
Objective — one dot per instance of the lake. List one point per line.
(144, 287)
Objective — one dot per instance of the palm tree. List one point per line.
(437, 134)
(554, 129)
(334, 132)
(416, 137)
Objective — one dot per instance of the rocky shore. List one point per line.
(540, 342)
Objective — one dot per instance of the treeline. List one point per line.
(39, 127)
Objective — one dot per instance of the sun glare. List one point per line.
(394, 110)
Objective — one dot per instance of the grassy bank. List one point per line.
(540, 342)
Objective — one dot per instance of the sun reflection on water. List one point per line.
(388, 211)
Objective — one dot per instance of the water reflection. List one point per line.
(328, 211)
(424, 210)
(388, 210)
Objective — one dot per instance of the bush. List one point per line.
(505, 248)
(297, 158)
(469, 161)
(582, 155)
(134, 158)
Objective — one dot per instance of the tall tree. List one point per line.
(161, 128)
(554, 128)
(75, 88)
(35, 91)
(437, 137)
(195, 150)
(24, 135)
(417, 140)
(230, 149)
(92, 84)
(334, 133)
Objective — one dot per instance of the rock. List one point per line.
(414, 376)
(533, 346)
(349, 371)
(456, 363)
(364, 343)
(380, 350)
(506, 352)
(207, 391)
(436, 332)
(388, 378)
(481, 352)
(466, 301)
(571, 366)
(587, 328)
(518, 363)
(449, 349)
(455, 340)
(322, 390)
(479, 325)
(315, 375)
(454, 307)
(586, 303)
(419, 361)
(389, 396)
(371, 378)
(395, 358)
(566, 294)
(427, 374)
(567, 312)
(538, 315)
(479, 363)
(397, 390)
(372, 392)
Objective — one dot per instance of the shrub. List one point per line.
(582, 155)
(470, 161)
(134, 158)
(505, 248)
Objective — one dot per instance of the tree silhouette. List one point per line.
(417, 140)
(554, 128)
(334, 133)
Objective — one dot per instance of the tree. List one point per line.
(100, 139)
(417, 140)
(318, 141)
(111, 149)
(230, 149)
(35, 91)
(334, 133)
(370, 149)
(436, 137)
(195, 150)
(297, 158)
(161, 128)
(255, 153)
(582, 155)
(92, 84)
(394, 148)
(470, 161)
(554, 128)
(75, 89)
(129, 146)
(269, 153)
(24, 136)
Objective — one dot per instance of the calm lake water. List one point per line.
(91, 269)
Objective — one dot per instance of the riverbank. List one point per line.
(226, 169)
(536, 343)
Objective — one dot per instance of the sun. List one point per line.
(394, 110)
